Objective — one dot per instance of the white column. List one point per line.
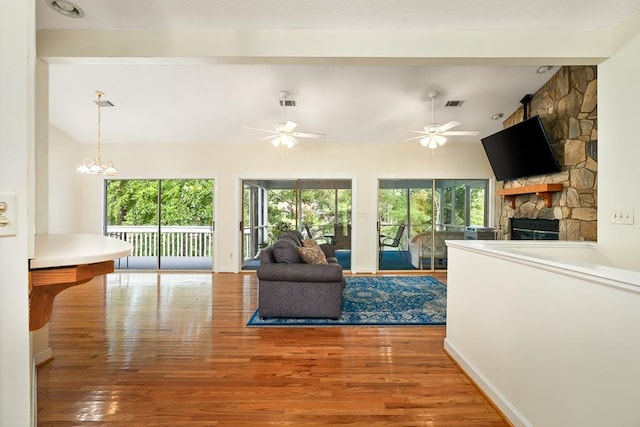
(17, 53)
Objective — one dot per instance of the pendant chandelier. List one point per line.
(97, 166)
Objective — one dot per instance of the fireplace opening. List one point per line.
(534, 229)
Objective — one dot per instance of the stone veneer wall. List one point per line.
(568, 107)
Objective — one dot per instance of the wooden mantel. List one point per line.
(65, 260)
(544, 191)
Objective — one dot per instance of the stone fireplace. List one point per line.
(567, 106)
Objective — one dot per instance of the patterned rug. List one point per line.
(381, 300)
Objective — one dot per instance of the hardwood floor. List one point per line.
(172, 349)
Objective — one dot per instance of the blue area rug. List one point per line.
(381, 300)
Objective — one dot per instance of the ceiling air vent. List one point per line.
(287, 103)
(104, 103)
(453, 103)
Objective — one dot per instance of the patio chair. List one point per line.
(393, 242)
(308, 230)
(319, 239)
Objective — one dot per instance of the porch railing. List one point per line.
(175, 241)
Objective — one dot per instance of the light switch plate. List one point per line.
(7, 214)
(622, 216)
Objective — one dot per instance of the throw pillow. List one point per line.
(293, 235)
(310, 243)
(312, 255)
(286, 251)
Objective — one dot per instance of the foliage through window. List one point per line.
(321, 206)
(184, 202)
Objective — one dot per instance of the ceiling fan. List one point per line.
(284, 132)
(434, 134)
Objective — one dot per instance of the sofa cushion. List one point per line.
(329, 250)
(294, 235)
(312, 255)
(300, 273)
(266, 256)
(286, 251)
(310, 243)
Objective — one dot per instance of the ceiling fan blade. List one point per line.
(289, 126)
(260, 129)
(308, 135)
(461, 133)
(413, 138)
(269, 137)
(445, 127)
(421, 132)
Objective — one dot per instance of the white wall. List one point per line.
(64, 194)
(619, 151)
(227, 164)
(40, 338)
(17, 69)
(551, 347)
(42, 146)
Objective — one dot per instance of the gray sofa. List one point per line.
(289, 287)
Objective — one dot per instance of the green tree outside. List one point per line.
(184, 202)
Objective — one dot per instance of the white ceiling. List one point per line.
(211, 102)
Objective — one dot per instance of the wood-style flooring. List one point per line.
(172, 349)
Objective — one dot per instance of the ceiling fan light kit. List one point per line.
(286, 141)
(433, 142)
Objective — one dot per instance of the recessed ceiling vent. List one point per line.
(453, 104)
(287, 103)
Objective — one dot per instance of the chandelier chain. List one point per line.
(100, 95)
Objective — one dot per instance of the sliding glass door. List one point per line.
(169, 223)
(320, 209)
(132, 214)
(416, 217)
(405, 209)
(186, 224)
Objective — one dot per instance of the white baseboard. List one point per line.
(34, 395)
(43, 356)
(490, 391)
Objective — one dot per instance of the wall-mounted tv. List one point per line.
(520, 151)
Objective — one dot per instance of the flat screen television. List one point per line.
(520, 151)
